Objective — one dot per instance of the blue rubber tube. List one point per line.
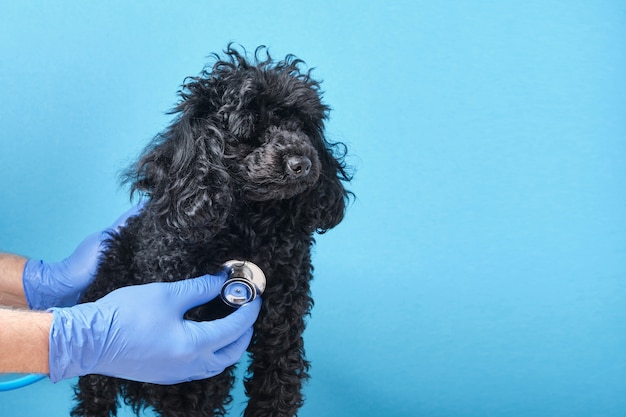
(20, 382)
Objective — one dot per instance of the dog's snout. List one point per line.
(298, 166)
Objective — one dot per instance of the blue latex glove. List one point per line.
(138, 333)
(60, 284)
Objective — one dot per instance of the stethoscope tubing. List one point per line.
(20, 382)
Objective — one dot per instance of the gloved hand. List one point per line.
(139, 333)
(60, 284)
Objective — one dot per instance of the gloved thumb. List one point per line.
(121, 221)
(190, 293)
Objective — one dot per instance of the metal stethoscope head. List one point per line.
(245, 281)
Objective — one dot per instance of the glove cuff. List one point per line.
(32, 278)
(76, 340)
(41, 287)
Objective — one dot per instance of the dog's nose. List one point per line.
(298, 166)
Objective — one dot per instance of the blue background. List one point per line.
(482, 269)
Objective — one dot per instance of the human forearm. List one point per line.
(24, 341)
(11, 287)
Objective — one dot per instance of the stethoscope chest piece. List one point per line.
(245, 282)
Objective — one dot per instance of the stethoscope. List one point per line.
(244, 282)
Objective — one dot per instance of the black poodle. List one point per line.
(243, 172)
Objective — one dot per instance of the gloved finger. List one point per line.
(82, 262)
(230, 354)
(121, 221)
(87, 251)
(190, 293)
(228, 329)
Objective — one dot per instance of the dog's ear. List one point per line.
(182, 172)
(328, 199)
(331, 204)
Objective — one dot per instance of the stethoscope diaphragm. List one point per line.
(245, 281)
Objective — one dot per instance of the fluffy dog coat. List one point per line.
(243, 172)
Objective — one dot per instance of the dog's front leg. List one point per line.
(96, 396)
(279, 368)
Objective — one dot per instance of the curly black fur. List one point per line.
(244, 171)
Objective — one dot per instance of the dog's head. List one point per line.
(246, 130)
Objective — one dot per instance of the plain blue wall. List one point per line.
(482, 269)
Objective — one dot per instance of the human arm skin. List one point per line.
(11, 288)
(23, 334)
(24, 341)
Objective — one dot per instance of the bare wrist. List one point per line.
(24, 341)
(11, 285)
